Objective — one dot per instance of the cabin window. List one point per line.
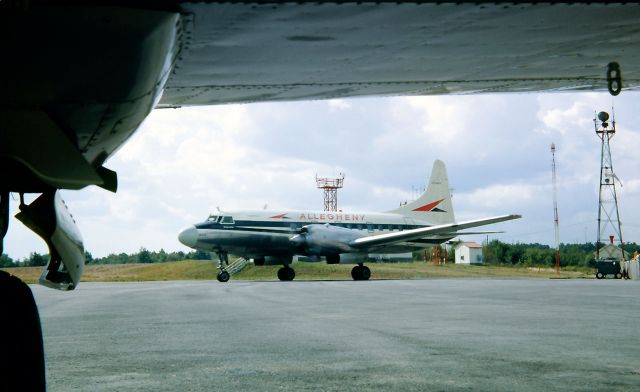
(212, 218)
(227, 220)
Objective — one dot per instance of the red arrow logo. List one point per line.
(429, 207)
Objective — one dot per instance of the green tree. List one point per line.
(6, 261)
(35, 259)
(199, 255)
(144, 256)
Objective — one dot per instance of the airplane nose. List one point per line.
(189, 236)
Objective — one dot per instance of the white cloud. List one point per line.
(339, 104)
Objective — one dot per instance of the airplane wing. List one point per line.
(246, 52)
(414, 234)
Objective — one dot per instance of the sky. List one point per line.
(183, 164)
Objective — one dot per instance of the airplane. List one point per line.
(275, 237)
(78, 78)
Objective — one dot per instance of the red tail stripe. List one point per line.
(429, 207)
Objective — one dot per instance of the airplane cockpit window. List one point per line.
(212, 218)
(227, 220)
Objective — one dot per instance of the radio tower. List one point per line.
(608, 216)
(555, 206)
(330, 187)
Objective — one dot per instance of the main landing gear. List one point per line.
(360, 272)
(223, 262)
(286, 273)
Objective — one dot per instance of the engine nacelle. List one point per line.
(278, 260)
(323, 240)
(49, 217)
(354, 258)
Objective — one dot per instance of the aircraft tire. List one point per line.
(365, 273)
(22, 359)
(258, 261)
(356, 273)
(223, 276)
(286, 274)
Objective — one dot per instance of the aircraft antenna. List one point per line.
(608, 216)
(330, 187)
(556, 221)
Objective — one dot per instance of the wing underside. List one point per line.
(248, 52)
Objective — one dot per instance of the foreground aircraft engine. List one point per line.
(77, 80)
(49, 217)
(324, 240)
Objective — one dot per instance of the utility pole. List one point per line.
(555, 206)
(608, 217)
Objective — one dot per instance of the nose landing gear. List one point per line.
(223, 262)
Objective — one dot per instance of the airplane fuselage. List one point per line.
(269, 233)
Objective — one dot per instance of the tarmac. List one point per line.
(393, 335)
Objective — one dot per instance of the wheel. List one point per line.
(599, 275)
(258, 261)
(286, 274)
(356, 272)
(365, 273)
(290, 273)
(223, 276)
(618, 275)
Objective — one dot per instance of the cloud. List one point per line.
(338, 104)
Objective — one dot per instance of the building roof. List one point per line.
(469, 244)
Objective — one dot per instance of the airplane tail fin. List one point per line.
(434, 205)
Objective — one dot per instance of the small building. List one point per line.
(468, 253)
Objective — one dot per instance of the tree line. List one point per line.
(142, 256)
(495, 252)
(578, 255)
(520, 254)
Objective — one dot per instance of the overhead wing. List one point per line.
(251, 52)
(414, 234)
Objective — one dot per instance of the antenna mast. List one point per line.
(608, 216)
(555, 207)
(330, 187)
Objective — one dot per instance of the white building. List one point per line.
(468, 253)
